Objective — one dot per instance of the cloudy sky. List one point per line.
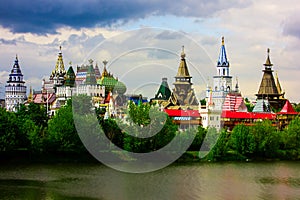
(142, 40)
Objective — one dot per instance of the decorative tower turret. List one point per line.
(183, 94)
(90, 75)
(15, 90)
(70, 77)
(268, 89)
(223, 81)
(58, 74)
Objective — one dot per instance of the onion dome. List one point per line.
(120, 87)
(110, 83)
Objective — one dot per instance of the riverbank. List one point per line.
(23, 156)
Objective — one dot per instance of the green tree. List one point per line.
(242, 141)
(219, 149)
(291, 139)
(249, 105)
(139, 114)
(146, 118)
(8, 131)
(62, 134)
(267, 139)
(35, 112)
(113, 132)
(199, 138)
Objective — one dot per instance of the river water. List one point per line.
(266, 180)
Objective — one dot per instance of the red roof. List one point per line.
(247, 115)
(41, 98)
(182, 113)
(288, 109)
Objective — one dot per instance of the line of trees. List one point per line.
(30, 129)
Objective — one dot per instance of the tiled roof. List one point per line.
(182, 113)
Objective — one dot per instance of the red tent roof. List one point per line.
(247, 115)
(288, 109)
(182, 113)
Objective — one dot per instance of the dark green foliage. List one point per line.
(35, 112)
(8, 131)
(296, 107)
(219, 149)
(198, 140)
(144, 118)
(29, 129)
(113, 132)
(266, 138)
(62, 135)
(242, 140)
(203, 101)
(291, 140)
(134, 143)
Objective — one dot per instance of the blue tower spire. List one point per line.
(223, 62)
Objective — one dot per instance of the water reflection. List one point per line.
(280, 180)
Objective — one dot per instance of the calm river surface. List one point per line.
(268, 180)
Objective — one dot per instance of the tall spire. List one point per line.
(237, 85)
(60, 67)
(183, 70)
(30, 97)
(90, 75)
(223, 62)
(104, 73)
(268, 63)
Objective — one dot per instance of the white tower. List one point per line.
(215, 96)
(223, 81)
(15, 90)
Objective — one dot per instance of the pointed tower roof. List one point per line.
(237, 85)
(262, 105)
(268, 86)
(104, 73)
(16, 73)
(222, 61)
(70, 77)
(183, 70)
(59, 70)
(210, 101)
(30, 96)
(268, 61)
(97, 71)
(60, 67)
(90, 75)
(288, 109)
(164, 91)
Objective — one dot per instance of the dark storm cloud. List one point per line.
(41, 17)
